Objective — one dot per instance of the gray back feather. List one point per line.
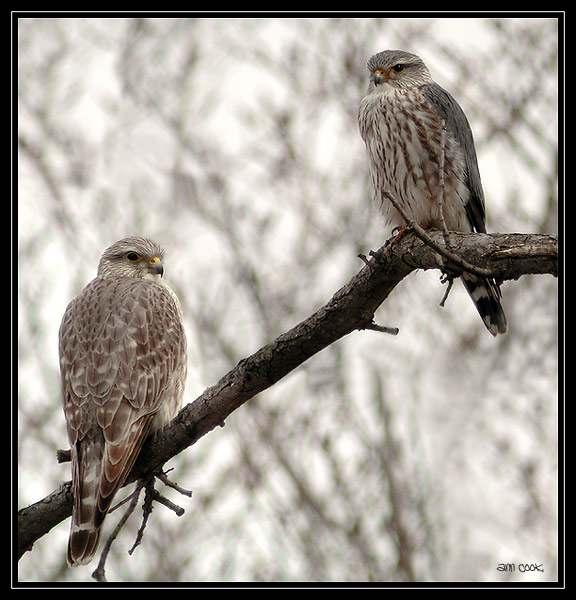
(457, 125)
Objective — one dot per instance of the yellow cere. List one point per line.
(154, 260)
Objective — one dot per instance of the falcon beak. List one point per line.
(155, 266)
(379, 76)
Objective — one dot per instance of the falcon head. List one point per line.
(132, 257)
(396, 69)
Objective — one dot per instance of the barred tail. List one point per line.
(98, 471)
(486, 295)
(85, 524)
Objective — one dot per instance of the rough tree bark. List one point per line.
(505, 256)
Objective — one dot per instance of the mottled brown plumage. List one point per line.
(123, 368)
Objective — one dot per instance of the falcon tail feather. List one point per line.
(84, 533)
(95, 487)
(82, 545)
(485, 294)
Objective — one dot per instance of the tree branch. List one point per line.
(503, 256)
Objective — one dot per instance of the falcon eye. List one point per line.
(132, 256)
(398, 68)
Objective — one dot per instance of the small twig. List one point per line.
(146, 511)
(100, 573)
(375, 327)
(162, 477)
(450, 280)
(168, 503)
(63, 456)
(122, 502)
(454, 258)
(441, 179)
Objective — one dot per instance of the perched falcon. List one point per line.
(405, 119)
(123, 367)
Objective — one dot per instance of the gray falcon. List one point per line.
(123, 367)
(406, 119)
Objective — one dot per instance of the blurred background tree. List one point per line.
(431, 456)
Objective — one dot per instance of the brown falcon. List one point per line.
(123, 367)
(411, 126)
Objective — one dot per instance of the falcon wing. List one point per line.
(457, 125)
